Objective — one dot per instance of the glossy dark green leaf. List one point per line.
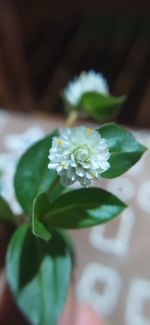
(124, 148)
(7, 217)
(101, 107)
(38, 274)
(32, 174)
(40, 208)
(40, 230)
(81, 208)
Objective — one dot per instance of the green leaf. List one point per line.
(80, 208)
(101, 107)
(39, 230)
(124, 148)
(6, 215)
(38, 274)
(32, 175)
(40, 208)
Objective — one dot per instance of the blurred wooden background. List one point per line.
(45, 43)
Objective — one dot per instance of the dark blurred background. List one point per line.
(45, 43)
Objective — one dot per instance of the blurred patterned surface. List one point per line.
(113, 261)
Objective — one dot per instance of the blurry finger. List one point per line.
(69, 313)
(87, 316)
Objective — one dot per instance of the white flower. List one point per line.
(79, 154)
(86, 82)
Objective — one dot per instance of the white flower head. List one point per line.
(79, 154)
(90, 81)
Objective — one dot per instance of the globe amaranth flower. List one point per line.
(79, 154)
(90, 81)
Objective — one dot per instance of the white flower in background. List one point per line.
(90, 81)
(79, 154)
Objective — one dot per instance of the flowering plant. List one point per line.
(39, 258)
(88, 94)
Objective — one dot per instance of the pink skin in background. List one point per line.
(78, 314)
(85, 315)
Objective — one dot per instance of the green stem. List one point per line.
(21, 219)
(71, 119)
